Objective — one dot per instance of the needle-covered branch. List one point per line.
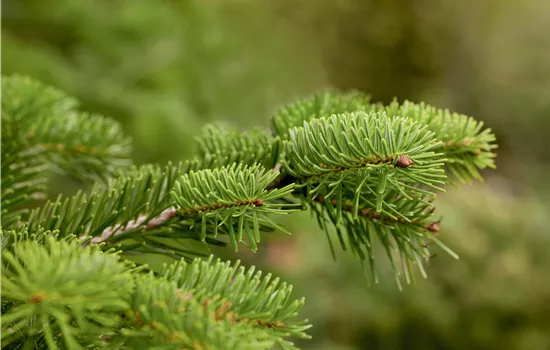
(221, 145)
(465, 144)
(150, 209)
(54, 294)
(404, 231)
(321, 104)
(237, 309)
(130, 211)
(23, 177)
(57, 291)
(235, 197)
(349, 152)
(368, 172)
(83, 145)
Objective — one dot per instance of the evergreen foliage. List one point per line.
(467, 147)
(220, 144)
(81, 144)
(371, 171)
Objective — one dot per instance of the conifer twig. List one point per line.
(157, 221)
(165, 216)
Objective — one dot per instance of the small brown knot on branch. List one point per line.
(433, 227)
(139, 321)
(37, 298)
(404, 161)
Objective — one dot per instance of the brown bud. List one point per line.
(37, 298)
(404, 161)
(138, 319)
(465, 142)
(433, 227)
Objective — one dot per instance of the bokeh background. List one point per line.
(165, 68)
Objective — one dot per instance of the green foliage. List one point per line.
(23, 179)
(321, 104)
(234, 197)
(373, 174)
(54, 295)
(41, 130)
(359, 171)
(220, 145)
(261, 301)
(365, 228)
(466, 146)
(390, 151)
(165, 68)
(80, 144)
(136, 210)
(182, 322)
(119, 210)
(57, 289)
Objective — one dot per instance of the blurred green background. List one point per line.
(164, 68)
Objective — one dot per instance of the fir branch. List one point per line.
(23, 177)
(466, 146)
(321, 104)
(356, 150)
(235, 196)
(137, 210)
(371, 171)
(163, 314)
(61, 286)
(222, 145)
(220, 299)
(145, 223)
(83, 145)
(251, 297)
(408, 237)
(402, 225)
(372, 214)
(132, 212)
(203, 303)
